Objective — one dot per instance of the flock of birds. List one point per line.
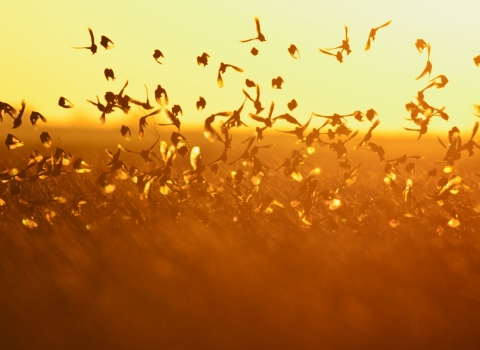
(334, 132)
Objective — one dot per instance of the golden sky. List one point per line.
(39, 65)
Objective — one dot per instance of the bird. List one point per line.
(142, 122)
(277, 82)
(45, 139)
(268, 120)
(7, 109)
(92, 47)
(420, 44)
(292, 105)
(126, 133)
(254, 51)
(292, 50)
(34, 116)
(145, 105)
(428, 66)
(476, 60)
(203, 59)
(201, 103)
(109, 74)
(176, 110)
(64, 103)
(172, 119)
(104, 41)
(299, 130)
(256, 103)
(367, 136)
(439, 82)
(345, 44)
(373, 32)
(250, 83)
(260, 36)
(18, 120)
(145, 154)
(157, 54)
(222, 69)
(12, 142)
(159, 93)
(338, 55)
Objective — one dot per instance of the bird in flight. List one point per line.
(222, 69)
(428, 66)
(157, 54)
(203, 59)
(345, 44)
(63, 102)
(12, 142)
(104, 41)
(373, 32)
(292, 50)
(92, 47)
(338, 55)
(476, 60)
(254, 51)
(277, 82)
(260, 36)
(18, 120)
(109, 74)
(142, 123)
(35, 116)
(201, 103)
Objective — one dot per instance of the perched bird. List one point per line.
(201, 103)
(203, 59)
(92, 47)
(222, 69)
(373, 32)
(64, 103)
(109, 74)
(292, 50)
(157, 54)
(277, 82)
(260, 36)
(104, 41)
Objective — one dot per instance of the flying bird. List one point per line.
(222, 69)
(373, 32)
(159, 93)
(420, 44)
(109, 74)
(45, 139)
(12, 142)
(92, 47)
(203, 59)
(142, 122)
(260, 36)
(104, 41)
(35, 116)
(254, 51)
(292, 105)
(428, 66)
(64, 103)
(201, 103)
(476, 60)
(338, 55)
(157, 54)
(126, 133)
(292, 50)
(345, 44)
(277, 82)
(18, 120)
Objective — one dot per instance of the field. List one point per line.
(125, 272)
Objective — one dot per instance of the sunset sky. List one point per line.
(39, 64)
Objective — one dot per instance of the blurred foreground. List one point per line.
(148, 274)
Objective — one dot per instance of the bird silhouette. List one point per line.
(145, 105)
(64, 103)
(142, 123)
(92, 47)
(145, 154)
(256, 103)
(476, 60)
(277, 82)
(201, 103)
(104, 41)
(34, 116)
(126, 133)
(345, 44)
(176, 110)
(221, 71)
(371, 35)
(7, 109)
(250, 83)
(45, 139)
(292, 105)
(203, 59)
(420, 44)
(12, 142)
(367, 136)
(260, 36)
(292, 50)
(172, 119)
(157, 54)
(428, 66)
(18, 120)
(299, 130)
(159, 93)
(109, 74)
(338, 55)
(254, 51)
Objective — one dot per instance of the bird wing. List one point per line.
(91, 36)
(428, 69)
(326, 52)
(384, 25)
